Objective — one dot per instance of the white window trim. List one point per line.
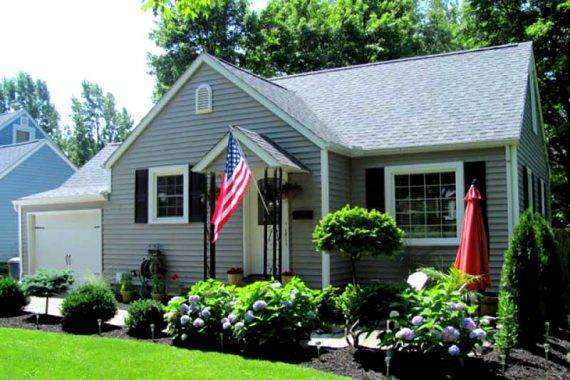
(530, 189)
(209, 89)
(153, 174)
(390, 197)
(23, 128)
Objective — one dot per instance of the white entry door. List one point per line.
(254, 238)
(70, 239)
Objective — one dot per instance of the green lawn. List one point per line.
(38, 354)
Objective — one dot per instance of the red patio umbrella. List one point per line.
(473, 253)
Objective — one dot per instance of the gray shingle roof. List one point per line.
(462, 97)
(91, 179)
(6, 116)
(11, 154)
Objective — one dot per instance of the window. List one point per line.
(23, 134)
(426, 201)
(203, 99)
(168, 194)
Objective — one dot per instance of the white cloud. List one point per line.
(64, 42)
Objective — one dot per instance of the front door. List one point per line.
(254, 231)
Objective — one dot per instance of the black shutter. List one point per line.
(477, 171)
(526, 200)
(374, 185)
(196, 186)
(141, 196)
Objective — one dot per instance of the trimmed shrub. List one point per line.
(143, 313)
(12, 297)
(357, 232)
(200, 317)
(436, 320)
(328, 311)
(47, 283)
(83, 306)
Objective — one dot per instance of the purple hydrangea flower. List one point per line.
(198, 323)
(259, 305)
(249, 316)
(224, 320)
(405, 334)
(239, 326)
(453, 350)
(450, 334)
(184, 320)
(456, 306)
(205, 313)
(232, 318)
(468, 323)
(184, 309)
(194, 298)
(478, 334)
(226, 325)
(417, 320)
(486, 321)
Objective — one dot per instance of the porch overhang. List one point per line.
(267, 150)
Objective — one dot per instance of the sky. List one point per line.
(64, 42)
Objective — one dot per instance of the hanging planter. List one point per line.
(291, 189)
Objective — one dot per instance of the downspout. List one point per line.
(325, 256)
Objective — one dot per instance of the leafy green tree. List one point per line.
(440, 27)
(96, 122)
(23, 92)
(495, 22)
(47, 283)
(355, 232)
(182, 36)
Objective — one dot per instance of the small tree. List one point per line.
(355, 232)
(47, 283)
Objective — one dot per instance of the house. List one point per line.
(29, 163)
(406, 136)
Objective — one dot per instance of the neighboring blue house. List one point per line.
(29, 163)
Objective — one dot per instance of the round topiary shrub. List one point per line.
(12, 297)
(85, 305)
(143, 313)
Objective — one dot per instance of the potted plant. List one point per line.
(291, 189)
(158, 288)
(235, 276)
(127, 288)
(287, 276)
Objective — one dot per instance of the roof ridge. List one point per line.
(398, 60)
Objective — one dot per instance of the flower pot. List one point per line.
(158, 297)
(128, 295)
(235, 278)
(285, 279)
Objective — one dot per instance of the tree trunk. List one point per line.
(353, 270)
(47, 304)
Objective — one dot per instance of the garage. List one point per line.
(67, 239)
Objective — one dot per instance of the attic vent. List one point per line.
(24, 121)
(203, 99)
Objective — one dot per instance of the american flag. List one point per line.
(236, 179)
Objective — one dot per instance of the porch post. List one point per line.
(280, 219)
(212, 206)
(274, 223)
(206, 222)
(265, 217)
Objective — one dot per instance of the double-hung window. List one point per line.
(168, 194)
(426, 201)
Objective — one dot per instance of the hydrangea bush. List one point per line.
(437, 320)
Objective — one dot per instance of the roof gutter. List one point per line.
(103, 196)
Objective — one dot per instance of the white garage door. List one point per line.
(69, 240)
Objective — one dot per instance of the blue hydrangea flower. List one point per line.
(205, 313)
(238, 326)
(450, 334)
(293, 294)
(176, 299)
(259, 305)
(184, 320)
(405, 334)
(453, 350)
(249, 316)
(232, 318)
(287, 303)
(468, 323)
(478, 334)
(276, 285)
(417, 320)
(226, 325)
(224, 320)
(194, 298)
(456, 306)
(198, 323)
(184, 309)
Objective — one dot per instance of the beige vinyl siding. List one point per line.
(339, 193)
(394, 269)
(56, 207)
(531, 153)
(179, 136)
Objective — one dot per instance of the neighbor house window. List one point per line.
(23, 134)
(203, 99)
(168, 195)
(426, 201)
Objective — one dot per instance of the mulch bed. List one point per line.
(370, 364)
